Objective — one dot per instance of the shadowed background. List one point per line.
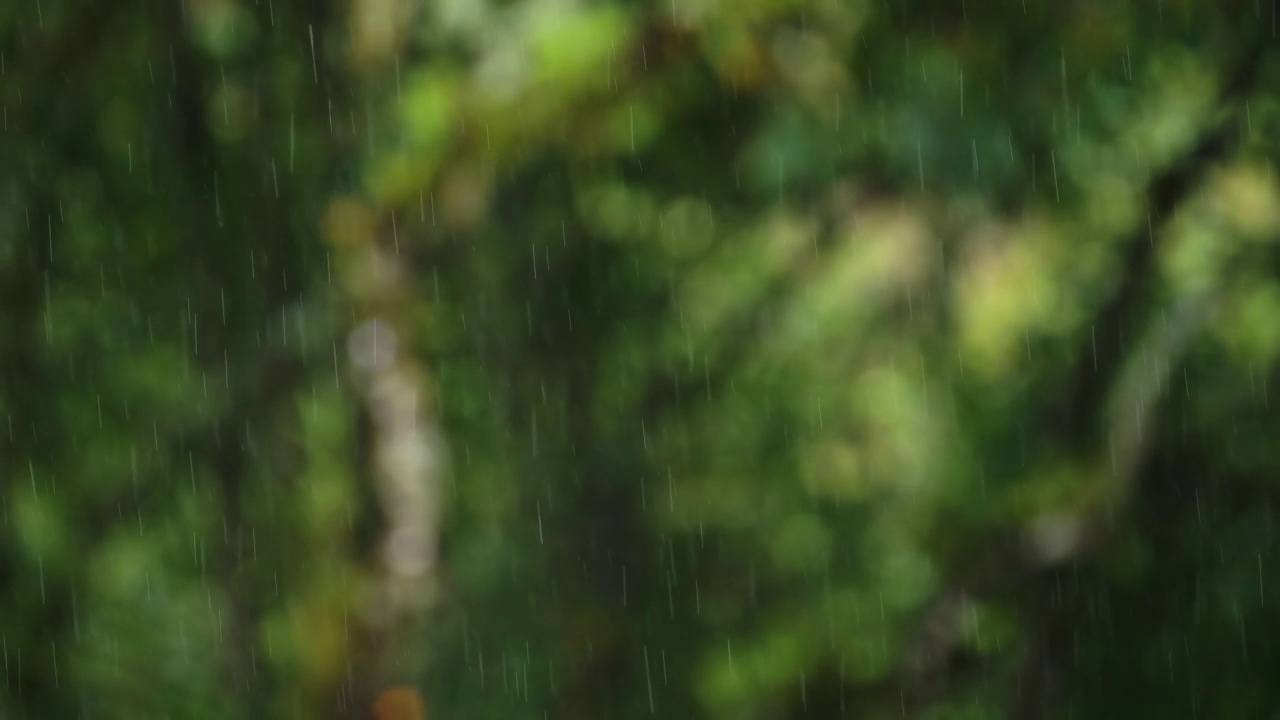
(680, 359)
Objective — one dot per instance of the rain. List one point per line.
(583, 359)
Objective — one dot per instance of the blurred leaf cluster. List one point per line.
(795, 358)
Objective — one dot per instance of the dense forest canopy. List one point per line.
(679, 359)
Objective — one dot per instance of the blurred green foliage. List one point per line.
(795, 358)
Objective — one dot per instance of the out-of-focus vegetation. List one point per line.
(693, 358)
